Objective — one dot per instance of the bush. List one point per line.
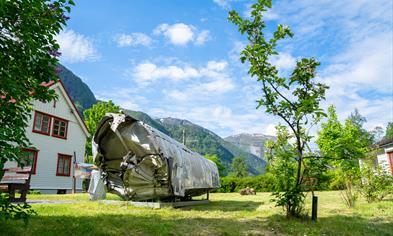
(260, 183)
(375, 184)
(9, 211)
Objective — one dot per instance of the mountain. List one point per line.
(198, 138)
(205, 141)
(251, 143)
(147, 119)
(80, 93)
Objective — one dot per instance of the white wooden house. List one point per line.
(385, 155)
(58, 135)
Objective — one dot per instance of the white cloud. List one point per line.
(222, 3)
(202, 37)
(133, 39)
(127, 98)
(177, 34)
(270, 130)
(181, 34)
(283, 61)
(148, 72)
(76, 47)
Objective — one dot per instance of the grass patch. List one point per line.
(227, 214)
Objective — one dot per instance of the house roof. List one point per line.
(385, 142)
(70, 103)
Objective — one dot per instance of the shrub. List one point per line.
(260, 183)
(10, 211)
(375, 184)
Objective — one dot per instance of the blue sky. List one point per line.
(179, 58)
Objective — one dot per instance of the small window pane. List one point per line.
(38, 121)
(45, 124)
(61, 165)
(66, 166)
(56, 127)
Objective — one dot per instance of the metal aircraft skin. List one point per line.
(138, 162)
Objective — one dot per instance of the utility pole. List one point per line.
(73, 175)
(184, 137)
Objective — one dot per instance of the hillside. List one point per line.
(148, 120)
(205, 141)
(197, 138)
(80, 93)
(252, 143)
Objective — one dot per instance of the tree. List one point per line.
(296, 100)
(343, 146)
(93, 116)
(28, 55)
(389, 130)
(214, 158)
(358, 120)
(238, 168)
(377, 134)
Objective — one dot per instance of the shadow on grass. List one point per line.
(226, 205)
(154, 224)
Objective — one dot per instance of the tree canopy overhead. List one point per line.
(28, 55)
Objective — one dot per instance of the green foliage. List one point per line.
(341, 142)
(296, 99)
(93, 116)
(389, 130)
(260, 183)
(358, 121)
(214, 158)
(10, 211)
(376, 184)
(238, 168)
(344, 145)
(283, 166)
(377, 134)
(28, 56)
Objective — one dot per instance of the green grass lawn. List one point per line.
(227, 214)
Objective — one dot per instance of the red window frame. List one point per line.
(35, 156)
(49, 124)
(390, 161)
(63, 156)
(65, 128)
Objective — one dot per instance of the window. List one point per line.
(29, 158)
(59, 128)
(63, 165)
(41, 123)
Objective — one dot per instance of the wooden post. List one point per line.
(207, 195)
(73, 174)
(314, 212)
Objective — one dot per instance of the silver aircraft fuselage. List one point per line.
(138, 162)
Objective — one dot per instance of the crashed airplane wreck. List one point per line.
(138, 162)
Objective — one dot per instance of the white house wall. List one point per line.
(48, 146)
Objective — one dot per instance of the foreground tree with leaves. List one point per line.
(296, 99)
(28, 55)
